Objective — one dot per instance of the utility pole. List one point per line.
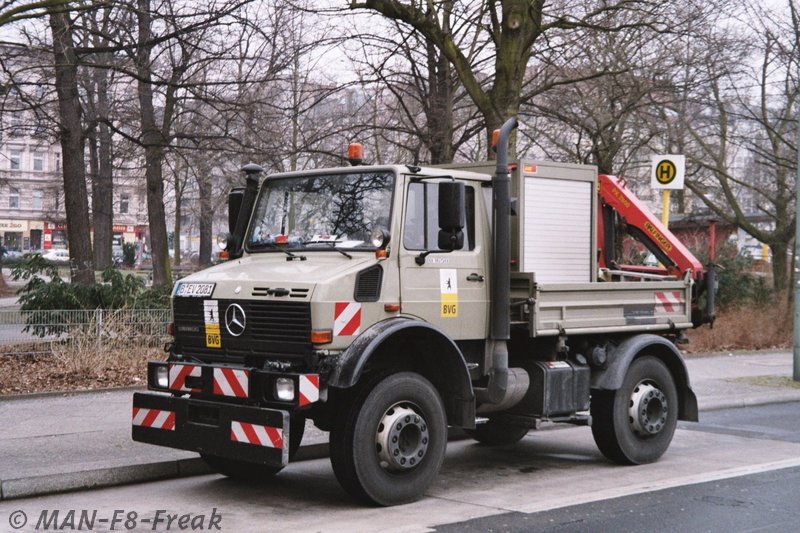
(796, 266)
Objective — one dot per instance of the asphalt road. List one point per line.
(761, 502)
(738, 470)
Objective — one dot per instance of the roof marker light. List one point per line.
(355, 153)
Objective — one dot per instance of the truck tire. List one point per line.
(635, 424)
(389, 442)
(251, 471)
(497, 432)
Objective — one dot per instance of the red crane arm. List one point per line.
(634, 212)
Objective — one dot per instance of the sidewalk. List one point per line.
(55, 443)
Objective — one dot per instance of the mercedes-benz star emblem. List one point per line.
(235, 320)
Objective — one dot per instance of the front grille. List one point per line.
(274, 330)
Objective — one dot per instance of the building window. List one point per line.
(124, 200)
(37, 200)
(38, 161)
(57, 162)
(16, 129)
(14, 159)
(13, 198)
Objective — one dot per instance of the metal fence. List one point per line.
(36, 331)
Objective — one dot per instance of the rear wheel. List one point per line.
(388, 445)
(252, 471)
(497, 432)
(635, 424)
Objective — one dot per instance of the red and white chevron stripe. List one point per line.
(309, 389)
(256, 434)
(346, 319)
(154, 418)
(669, 302)
(231, 382)
(178, 374)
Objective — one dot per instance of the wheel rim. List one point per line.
(402, 438)
(648, 409)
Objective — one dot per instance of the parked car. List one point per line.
(57, 256)
(145, 261)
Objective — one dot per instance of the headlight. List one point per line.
(284, 389)
(225, 241)
(379, 238)
(162, 377)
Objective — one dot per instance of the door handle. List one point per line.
(475, 277)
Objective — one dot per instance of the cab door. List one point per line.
(449, 289)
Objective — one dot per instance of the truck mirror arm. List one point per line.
(420, 259)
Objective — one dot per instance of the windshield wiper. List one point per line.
(332, 245)
(290, 255)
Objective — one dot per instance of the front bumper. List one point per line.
(215, 382)
(244, 433)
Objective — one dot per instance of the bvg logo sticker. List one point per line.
(448, 288)
(211, 318)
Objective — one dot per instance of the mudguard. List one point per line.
(443, 362)
(620, 359)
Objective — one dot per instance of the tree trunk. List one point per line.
(439, 112)
(75, 195)
(779, 266)
(176, 235)
(154, 143)
(102, 184)
(206, 220)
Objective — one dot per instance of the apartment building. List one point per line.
(32, 215)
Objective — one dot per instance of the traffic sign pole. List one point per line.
(665, 208)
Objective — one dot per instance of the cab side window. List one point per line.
(421, 228)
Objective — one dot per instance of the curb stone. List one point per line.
(26, 487)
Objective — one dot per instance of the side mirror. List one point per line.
(235, 198)
(452, 215)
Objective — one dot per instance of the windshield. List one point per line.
(333, 211)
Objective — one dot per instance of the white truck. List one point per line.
(386, 303)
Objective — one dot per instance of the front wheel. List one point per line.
(635, 424)
(388, 445)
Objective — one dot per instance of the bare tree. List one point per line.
(513, 28)
(744, 141)
(97, 87)
(13, 11)
(429, 115)
(72, 147)
(164, 65)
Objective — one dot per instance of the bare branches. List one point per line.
(12, 11)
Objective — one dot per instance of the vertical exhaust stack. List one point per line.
(506, 386)
(252, 175)
(501, 201)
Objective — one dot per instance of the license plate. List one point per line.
(195, 290)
